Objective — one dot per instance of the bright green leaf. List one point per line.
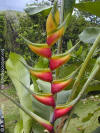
(89, 34)
(79, 51)
(32, 10)
(90, 7)
(19, 127)
(69, 44)
(16, 70)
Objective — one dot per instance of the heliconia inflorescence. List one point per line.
(54, 32)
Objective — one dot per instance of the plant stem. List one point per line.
(60, 40)
(61, 20)
(92, 75)
(82, 70)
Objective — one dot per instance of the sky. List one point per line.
(13, 4)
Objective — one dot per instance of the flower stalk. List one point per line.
(76, 100)
(82, 70)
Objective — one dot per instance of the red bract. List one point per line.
(57, 61)
(61, 111)
(45, 99)
(41, 50)
(59, 85)
(49, 127)
(53, 38)
(45, 75)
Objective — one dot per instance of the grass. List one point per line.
(10, 111)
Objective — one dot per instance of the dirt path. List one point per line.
(3, 99)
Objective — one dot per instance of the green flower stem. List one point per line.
(60, 40)
(75, 89)
(92, 75)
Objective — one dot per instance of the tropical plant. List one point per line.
(46, 83)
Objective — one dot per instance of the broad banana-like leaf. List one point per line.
(90, 7)
(16, 70)
(89, 35)
(19, 127)
(32, 10)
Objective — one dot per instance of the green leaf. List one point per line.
(68, 6)
(79, 51)
(87, 118)
(82, 109)
(45, 87)
(19, 127)
(62, 97)
(90, 7)
(69, 44)
(42, 63)
(32, 10)
(89, 34)
(16, 70)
